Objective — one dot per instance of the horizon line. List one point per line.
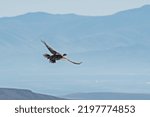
(45, 12)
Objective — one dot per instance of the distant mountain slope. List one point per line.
(123, 29)
(22, 94)
(108, 96)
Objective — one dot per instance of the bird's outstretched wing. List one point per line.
(49, 48)
(78, 63)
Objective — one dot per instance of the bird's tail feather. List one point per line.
(50, 58)
(47, 56)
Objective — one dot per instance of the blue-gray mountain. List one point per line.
(118, 44)
(24, 94)
(108, 96)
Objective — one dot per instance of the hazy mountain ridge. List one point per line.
(67, 29)
(108, 96)
(124, 29)
(23, 94)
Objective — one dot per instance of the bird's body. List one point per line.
(53, 58)
(56, 56)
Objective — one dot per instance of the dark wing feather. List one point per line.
(49, 48)
(78, 63)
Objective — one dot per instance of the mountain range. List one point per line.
(24, 94)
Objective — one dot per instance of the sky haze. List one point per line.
(81, 7)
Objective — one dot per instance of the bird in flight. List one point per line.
(56, 55)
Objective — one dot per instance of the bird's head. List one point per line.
(64, 54)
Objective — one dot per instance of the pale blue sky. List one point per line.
(82, 7)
